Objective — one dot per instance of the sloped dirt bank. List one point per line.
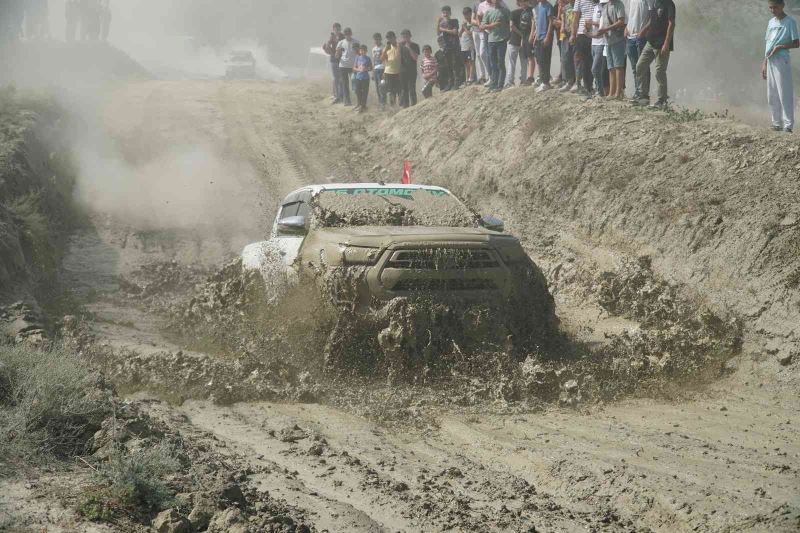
(712, 202)
(37, 179)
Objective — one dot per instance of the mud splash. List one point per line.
(431, 356)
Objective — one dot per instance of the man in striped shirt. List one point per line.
(583, 11)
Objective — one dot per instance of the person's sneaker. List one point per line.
(777, 128)
(543, 87)
(537, 84)
(488, 84)
(787, 130)
(565, 88)
(356, 108)
(659, 104)
(334, 102)
(576, 88)
(525, 83)
(642, 102)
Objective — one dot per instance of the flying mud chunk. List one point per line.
(408, 272)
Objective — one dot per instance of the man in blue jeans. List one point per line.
(638, 18)
(497, 22)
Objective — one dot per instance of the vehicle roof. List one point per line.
(306, 193)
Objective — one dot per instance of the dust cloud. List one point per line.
(715, 66)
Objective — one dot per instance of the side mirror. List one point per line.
(292, 226)
(492, 223)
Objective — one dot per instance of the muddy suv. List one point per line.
(378, 252)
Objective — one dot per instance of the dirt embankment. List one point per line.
(37, 179)
(713, 202)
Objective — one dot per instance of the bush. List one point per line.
(50, 404)
(136, 477)
(131, 484)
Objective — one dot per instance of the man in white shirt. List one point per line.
(638, 16)
(346, 54)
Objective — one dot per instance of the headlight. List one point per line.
(359, 255)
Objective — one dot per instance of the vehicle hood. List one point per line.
(382, 236)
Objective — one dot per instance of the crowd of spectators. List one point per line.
(85, 20)
(491, 45)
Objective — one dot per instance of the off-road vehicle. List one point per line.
(241, 64)
(412, 260)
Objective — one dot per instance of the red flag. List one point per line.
(406, 174)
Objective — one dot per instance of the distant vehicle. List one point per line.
(241, 64)
(368, 244)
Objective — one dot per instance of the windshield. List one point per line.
(390, 207)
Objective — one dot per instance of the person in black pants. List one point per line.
(408, 77)
(448, 29)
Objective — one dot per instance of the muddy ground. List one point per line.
(712, 449)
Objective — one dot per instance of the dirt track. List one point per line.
(723, 459)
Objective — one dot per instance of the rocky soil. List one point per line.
(668, 407)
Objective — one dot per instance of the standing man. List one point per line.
(392, 60)
(448, 28)
(658, 32)
(497, 21)
(481, 47)
(480, 13)
(583, 12)
(781, 37)
(518, 44)
(330, 48)
(543, 43)
(408, 78)
(638, 17)
(378, 67)
(346, 54)
(613, 28)
(565, 14)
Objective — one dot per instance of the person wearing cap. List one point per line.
(781, 37)
(393, 67)
(408, 76)
(613, 29)
(638, 16)
(659, 33)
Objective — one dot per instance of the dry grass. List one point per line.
(50, 405)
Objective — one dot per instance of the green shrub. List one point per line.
(50, 404)
(135, 478)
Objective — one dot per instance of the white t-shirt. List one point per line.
(597, 18)
(348, 57)
(638, 16)
(377, 62)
